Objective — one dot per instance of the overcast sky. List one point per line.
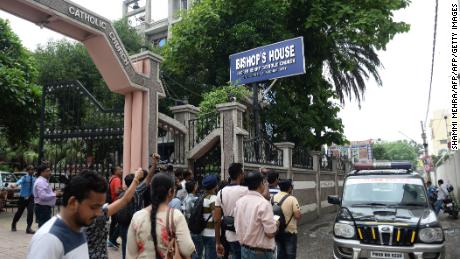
(399, 105)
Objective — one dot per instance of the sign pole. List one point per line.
(255, 108)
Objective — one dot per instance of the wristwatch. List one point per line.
(105, 208)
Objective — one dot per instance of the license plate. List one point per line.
(449, 205)
(17, 195)
(381, 254)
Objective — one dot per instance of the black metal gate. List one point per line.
(208, 164)
(77, 132)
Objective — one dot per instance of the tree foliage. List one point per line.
(65, 60)
(340, 37)
(221, 95)
(20, 96)
(397, 150)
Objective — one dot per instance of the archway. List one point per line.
(135, 77)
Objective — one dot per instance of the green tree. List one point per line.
(221, 95)
(67, 60)
(397, 150)
(20, 96)
(309, 120)
(340, 38)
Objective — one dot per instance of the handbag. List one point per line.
(173, 247)
(228, 222)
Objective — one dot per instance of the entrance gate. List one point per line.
(77, 132)
(208, 164)
(136, 77)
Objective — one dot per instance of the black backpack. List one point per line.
(278, 211)
(125, 214)
(196, 222)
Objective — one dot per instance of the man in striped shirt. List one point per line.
(273, 179)
(209, 183)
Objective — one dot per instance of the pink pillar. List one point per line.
(136, 131)
(127, 134)
(145, 130)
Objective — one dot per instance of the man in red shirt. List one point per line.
(115, 187)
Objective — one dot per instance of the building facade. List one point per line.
(139, 14)
(440, 132)
(356, 151)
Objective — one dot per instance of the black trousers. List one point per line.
(42, 213)
(22, 205)
(114, 229)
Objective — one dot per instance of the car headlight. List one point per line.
(430, 235)
(344, 230)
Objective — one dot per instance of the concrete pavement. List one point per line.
(13, 245)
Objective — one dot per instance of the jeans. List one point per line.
(22, 205)
(204, 245)
(114, 231)
(287, 245)
(438, 206)
(124, 238)
(42, 213)
(198, 241)
(209, 247)
(235, 250)
(247, 253)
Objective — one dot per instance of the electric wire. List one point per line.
(432, 60)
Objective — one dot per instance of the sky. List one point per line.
(397, 106)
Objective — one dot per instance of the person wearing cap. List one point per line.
(209, 183)
(26, 200)
(286, 242)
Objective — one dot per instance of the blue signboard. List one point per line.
(281, 59)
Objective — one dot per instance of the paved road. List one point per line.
(314, 239)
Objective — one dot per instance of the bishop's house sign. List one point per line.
(281, 59)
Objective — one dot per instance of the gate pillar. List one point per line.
(141, 114)
(231, 142)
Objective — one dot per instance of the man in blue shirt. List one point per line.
(431, 193)
(26, 200)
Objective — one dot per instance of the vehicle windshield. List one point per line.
(384, 192)
(8, 178)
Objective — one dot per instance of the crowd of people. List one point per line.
(161, 213)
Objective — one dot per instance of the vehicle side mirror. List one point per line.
(334, 199)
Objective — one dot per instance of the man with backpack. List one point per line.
(125, 214)
(200, 223)
(273, 189)
(224, 211)
(192, 188)
(287, 208)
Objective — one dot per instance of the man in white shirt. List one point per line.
(225, 203)
(61, 236)
(442, 194)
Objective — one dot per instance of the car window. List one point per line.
(386, 192)
(8, 178)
